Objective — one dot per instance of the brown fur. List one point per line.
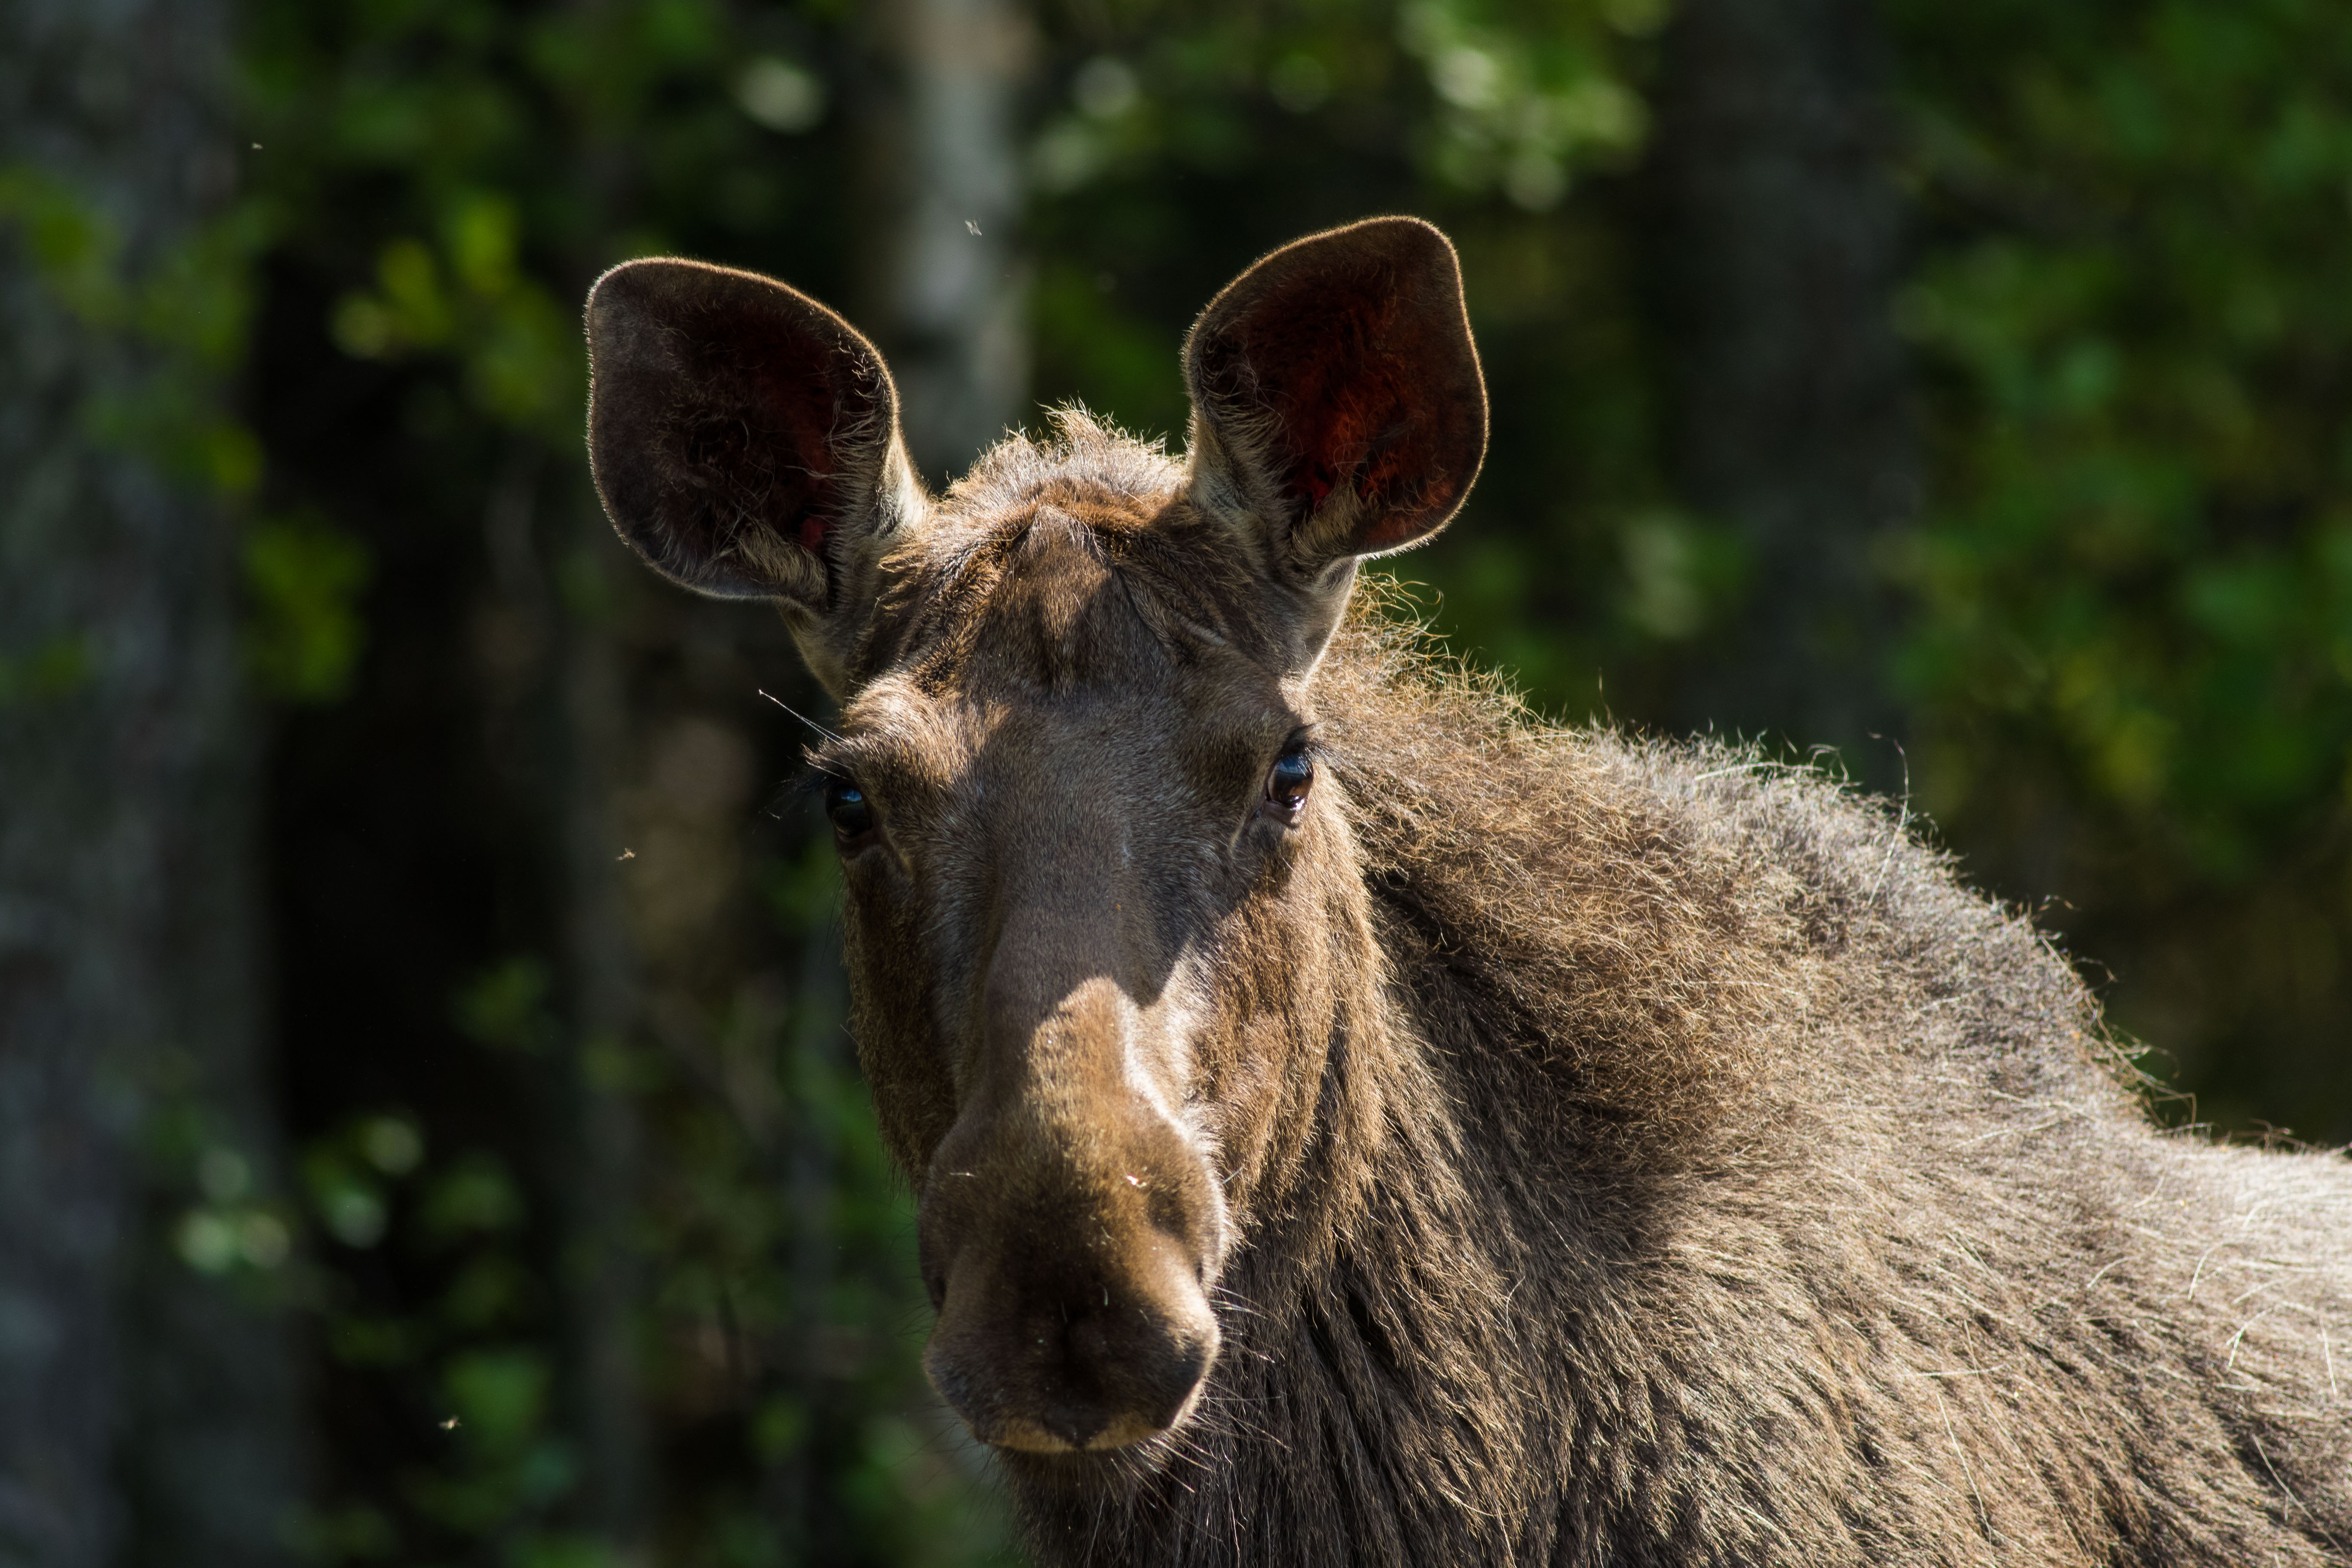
(1555, 1148)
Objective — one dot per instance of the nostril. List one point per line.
(937, 1284)
(1074, 1363)
(1139, 1370)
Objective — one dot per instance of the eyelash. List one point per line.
(820, 774)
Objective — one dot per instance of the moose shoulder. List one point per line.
(1355, 1124)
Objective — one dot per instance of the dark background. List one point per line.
(426, 1130)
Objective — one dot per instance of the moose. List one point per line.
(1355, 1122)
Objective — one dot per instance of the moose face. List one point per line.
(1053, 828)
(1101, 892)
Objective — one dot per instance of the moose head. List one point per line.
(1105, 922)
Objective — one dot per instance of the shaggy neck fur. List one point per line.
(1697, 1174)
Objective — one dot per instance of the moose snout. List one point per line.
(1071, 1343)
(1068, 1255)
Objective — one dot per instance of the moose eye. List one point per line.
(847, 808)
(1286, 785)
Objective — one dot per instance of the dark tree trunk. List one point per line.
(604, 1295)
(559, 729)
(1778, 245)
(146, 1409)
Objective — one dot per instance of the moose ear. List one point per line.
(745, 438)
(1337, 404)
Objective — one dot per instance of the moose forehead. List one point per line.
(1067, 582)
(1074, 610)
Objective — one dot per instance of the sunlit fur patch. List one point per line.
(1075, 561)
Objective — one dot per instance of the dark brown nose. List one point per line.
(1067, 1229)
(1049, 1345)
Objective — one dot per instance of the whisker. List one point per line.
(802, 717)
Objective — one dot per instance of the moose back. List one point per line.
(1354, 1123)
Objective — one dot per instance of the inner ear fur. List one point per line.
(745, 438)
(1337, 399)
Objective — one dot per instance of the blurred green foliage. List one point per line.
(55, 669)
(177, 319)
(303, 631)
(2145, 545)
(2131, 654)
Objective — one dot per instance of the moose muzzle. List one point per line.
(1069, 1229)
